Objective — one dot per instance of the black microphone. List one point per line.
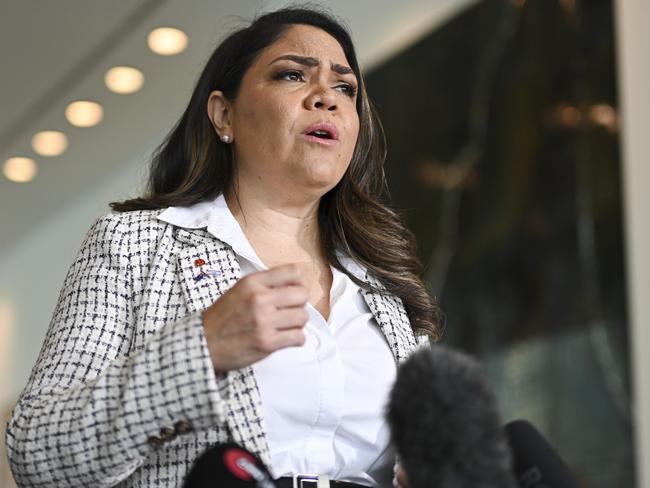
(229, 466)
(536, 464)
(445, 423)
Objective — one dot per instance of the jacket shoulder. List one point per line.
(133, 220)
(134, 225)
(117, 236)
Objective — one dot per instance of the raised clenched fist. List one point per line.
(262, 313)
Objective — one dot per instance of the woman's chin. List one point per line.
(322, 177)
(317, 185)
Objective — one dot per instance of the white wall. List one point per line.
(633, 34)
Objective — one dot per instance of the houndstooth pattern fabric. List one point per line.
(125, 361)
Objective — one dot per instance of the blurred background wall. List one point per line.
(504, 153)
(518, 145)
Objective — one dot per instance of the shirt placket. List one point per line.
(320, 443)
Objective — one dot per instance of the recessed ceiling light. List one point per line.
(124, 79)
(167, 41)
(84, 113)
(50, 143)
(20, 170)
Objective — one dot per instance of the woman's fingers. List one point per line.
(270, 341)
(288, 318)
(278, 308)
(290, 338)
(285, 275)
(286, 296)
(262, 313)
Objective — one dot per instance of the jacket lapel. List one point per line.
(203, 282)
(392, 319)
(208, 268)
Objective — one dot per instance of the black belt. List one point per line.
(311, 481)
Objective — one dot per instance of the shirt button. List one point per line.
(182, 427)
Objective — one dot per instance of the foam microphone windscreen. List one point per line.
(228, 466)
(536, 464)
(445, 423)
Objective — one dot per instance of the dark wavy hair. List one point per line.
(191, 165)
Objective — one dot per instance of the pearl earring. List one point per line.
(225, 138)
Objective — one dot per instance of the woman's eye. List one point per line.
(347, 89)
(291, 75)
(296, 75)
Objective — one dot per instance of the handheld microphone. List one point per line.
(230, 466)
(536, 464)
(445, 423)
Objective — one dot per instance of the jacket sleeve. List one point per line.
(92, 405)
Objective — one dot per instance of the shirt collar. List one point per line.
(219, 221)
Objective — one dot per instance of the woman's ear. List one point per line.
(219, 114)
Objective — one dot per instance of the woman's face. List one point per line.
(294, 121)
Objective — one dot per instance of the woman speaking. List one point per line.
(260, 293)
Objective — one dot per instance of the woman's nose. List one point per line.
(321, 99)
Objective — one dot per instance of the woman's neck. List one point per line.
(282, 232)
(278, 226)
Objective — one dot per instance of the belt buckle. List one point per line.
(304, 480)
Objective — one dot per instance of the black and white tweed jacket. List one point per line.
(123, 392)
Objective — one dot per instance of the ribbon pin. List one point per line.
(204, 273)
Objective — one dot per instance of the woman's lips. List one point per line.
(320, 140)
(324, 133)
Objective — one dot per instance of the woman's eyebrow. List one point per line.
(313, 62)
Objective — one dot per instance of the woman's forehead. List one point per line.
(306, 40)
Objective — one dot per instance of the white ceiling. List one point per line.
(53, 52)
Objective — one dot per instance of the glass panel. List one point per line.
(504, 150)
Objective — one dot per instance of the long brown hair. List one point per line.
(191, 166)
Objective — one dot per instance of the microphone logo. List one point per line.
(242, 464)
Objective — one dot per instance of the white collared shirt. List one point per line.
(323, 402)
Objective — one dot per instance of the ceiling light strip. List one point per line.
(93, 59)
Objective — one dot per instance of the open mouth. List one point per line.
(321, 134)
